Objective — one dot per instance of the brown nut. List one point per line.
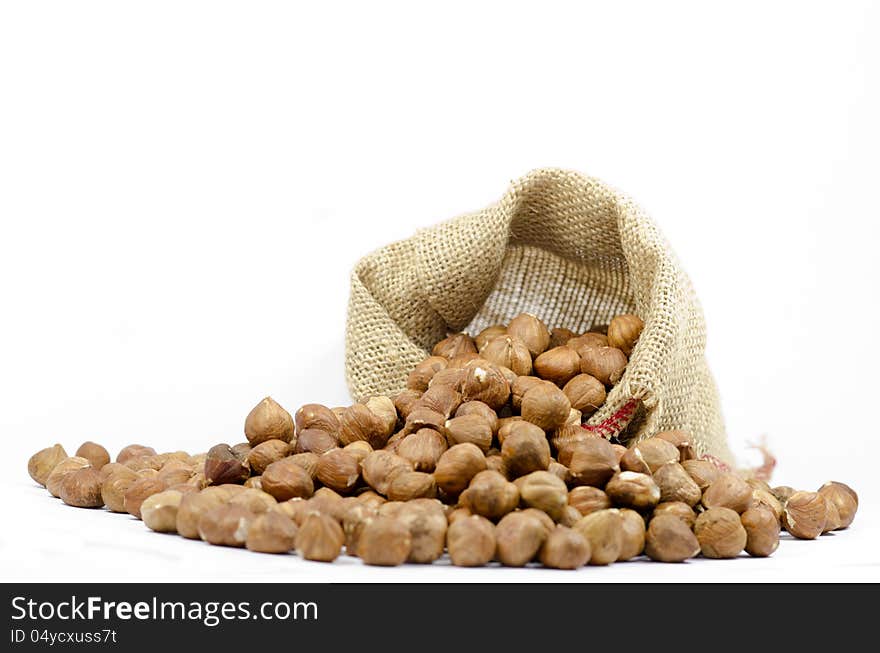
(422, 373)
(384, 541)
(843, 499)
(62, 469)
(677, 485)
(427, 529)
(560, 336)
(518, 538)
(82, 488)
(407, 486)
(266, 453)
(546, 406)
(604, 363)
(589, 339)
(782, 493)
(804, 515)
(358, 450)
(766, 499)
(424, 418)
(481, 409)
(308, 461)
(586, 393)
(486, 383)
(383, 408)
(455, 345)
(677, 509)
(632, 541)
(256, 501)
(490, 494)
(312, 440)
(159, 511)
(115, 486)
(225, 525)
(138, 492)
(703, 472)
(94, 453)
(405, 401)
(339, 470)
(542, 517)
(524, 452)
(720, 533)
(470, 541)
(520, 386)
(564, 548)
(473, 428)
(316, 416)
(655, 453)
(560, 471)
(728, 491)
(358, 422)
(545, 492)
(190, 510)
(441, 399)
(670, 539)
(532, 331)
(423, 449)
(624, 332)
(604, 531)
(558, 365)
(632, 461)
(451, 377)
(134, 451)
(587, 499)
(271, 532)
(457, 466)
(593, 462)
(514, 424)
(268, 421)
(319, 538)
(286, 479)
(43, 462)
(762, 531)
(223, 466)
(489, 333)
(510, 352)
(633, 490)
(683, 442)
(380, 467)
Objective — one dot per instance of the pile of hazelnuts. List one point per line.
(484, 456)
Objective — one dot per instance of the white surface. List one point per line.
(184, 188)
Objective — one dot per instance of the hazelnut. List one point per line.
(564, 548)
(541, 516)
(804, 515)
(633, 490)
(441, 399)
(677, 509)
(286, 479)
(728, 491)
(762, 531)
(316, 416)
(380, 467)
(473, 428)
(524, 451)
(546, 406)
(676, 484)
(421, 417)
(43, 462)
(566, 439)
(670, 539)
(358, 422)
(383, 408)
(454, 345)
(593, 462)
(489, 333)
(451, 377)
(62, 469)
(82, 488)
(589, 339)
(682, 440)
(312, 440)
(266, 453)
(560, 471)
(782, 493)
(353, 523)
(703, 472)
(457, 512)
(370, 498)
(509, 352)
(422, 373)
(268, 421)
(606, 364)
(518, 537)
(656, 453)
(241, 450)
(545, 492)
(843, 499)
(384, 541)
(632, 541)
(457, 466)
(308, 461)
(604, 531)
(412, 485)
(470, 541)
(490, 494)
(338, 470)
(587, 499)
(586, 393)
(427, 529)
(532, 331)
(159, 511)
(496, 464)
(358, 450)
(115, 486)
(256, 501)
(138, 492)
(271, 532)
(134, 451)
(319, 538)
(560, 336)
(508, 425)
(518, 388)
(632, 460)
(423, 449)
(223, 466)
(558, 365)
(190, 510)
(766, 499)
(481, 409)
(485, 383)
(225, 525)
(624, 331)
(461, 361)
(720, 533)
(405, 401)
(94, 453)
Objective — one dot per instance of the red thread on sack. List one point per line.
(614, 424)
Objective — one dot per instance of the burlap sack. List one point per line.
(568, 249)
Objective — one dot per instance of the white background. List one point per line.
(184, 188)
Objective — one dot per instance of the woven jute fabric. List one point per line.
(574, 252)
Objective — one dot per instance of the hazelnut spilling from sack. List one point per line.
(563, 247)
